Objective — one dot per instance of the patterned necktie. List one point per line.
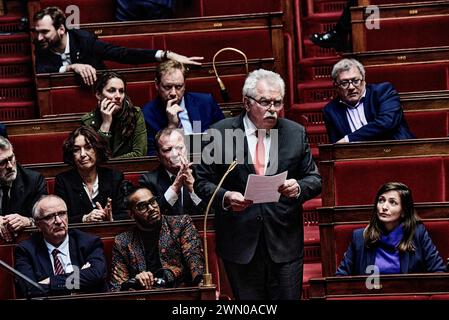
(57, 263)
(259, 163)
(5, 199)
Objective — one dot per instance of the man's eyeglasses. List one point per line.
(277, 104)
(52, 216)
(345, 83)
(5, 161)
(144, 206)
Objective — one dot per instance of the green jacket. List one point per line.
(121, 148)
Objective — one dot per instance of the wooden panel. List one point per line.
(398, 285)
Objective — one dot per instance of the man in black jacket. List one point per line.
(19, 188)
(62, 50)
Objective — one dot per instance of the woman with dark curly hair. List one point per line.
(92, 193)
(116, 119)
(395, 240)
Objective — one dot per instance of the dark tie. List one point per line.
(57, 263)
(259, 162)
(5, 199)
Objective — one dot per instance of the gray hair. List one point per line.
(270, 77)
(345, 65)
(36, 211)
(4, 143)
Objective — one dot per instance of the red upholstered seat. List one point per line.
(386, 297)
(87, 13)
(343, 236)
(133, 178)
(39, 148)
(411, 77)
(438, 232)
(424, 31)
(439, 297)
(356, 182)
(219, 7)
(428, 124)
(50, 185)
(7, 289)
(233, 85)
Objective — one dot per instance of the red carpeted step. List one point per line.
(315, 91)
(16, 66)
(15, 44)
(328, 6)
(20, 110)
(311, 50)
(10, 23)
(307, 113)
(16, 89)
(311, 270)
(317, 135)
(317, 68)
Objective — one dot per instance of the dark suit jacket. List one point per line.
(281, 222)
(425, 258)
(3, 131)
(158, 182)
(28, 187)
(200, 107)
(69, 186)
(383, 112)
(144, 9)
(85, 48)
(33, 260)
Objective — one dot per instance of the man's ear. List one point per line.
(246, 103)
(62, 30)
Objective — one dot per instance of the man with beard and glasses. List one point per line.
(159, 247)
(363, 112)
(61, 261)
(62, 50)
(172, 182)
(20, 189)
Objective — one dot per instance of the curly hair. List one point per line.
(126, 120)
(98, 144)
(409, 219)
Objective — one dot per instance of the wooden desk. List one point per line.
(424, 284)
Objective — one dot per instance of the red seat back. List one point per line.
(7, 288)
(428, 124)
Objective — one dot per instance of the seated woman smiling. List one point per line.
(395, 241)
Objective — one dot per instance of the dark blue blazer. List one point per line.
(200, 107)
(86, 48)
(144, 9)
(3, 131)
(425, 258)
(383, 112)
(33, 260)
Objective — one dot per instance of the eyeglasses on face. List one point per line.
(277, 104)
(4, 162)
(49, 218)
(345, 83)
(144, 206)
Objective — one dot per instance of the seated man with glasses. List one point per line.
(159, 251)
(174, 108)
(363, 112)
(61, 261)
(20, 188)
(172, 182)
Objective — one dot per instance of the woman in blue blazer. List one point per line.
(395, 241)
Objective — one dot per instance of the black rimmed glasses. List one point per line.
(144, 206)
(49, 218)
(345, 83)
(277, 104)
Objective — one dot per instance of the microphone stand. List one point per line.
(207, 277)
(23, 277)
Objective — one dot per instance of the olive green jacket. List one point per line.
(121, 148)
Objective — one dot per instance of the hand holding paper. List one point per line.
(262, 189)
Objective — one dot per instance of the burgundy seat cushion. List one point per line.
(343, 236)
(428, 124)
(7, 289)
(356, 182)
(87, 13)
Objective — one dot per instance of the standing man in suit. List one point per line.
(20, 189)
(172, 182)
(261, 245)
(61, 261)
(62, 50)
(363, 112)
(174, 108)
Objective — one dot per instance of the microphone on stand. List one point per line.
(23, 277)
(207, 276)
(224, 92)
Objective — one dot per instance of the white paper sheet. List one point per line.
(262, 189)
